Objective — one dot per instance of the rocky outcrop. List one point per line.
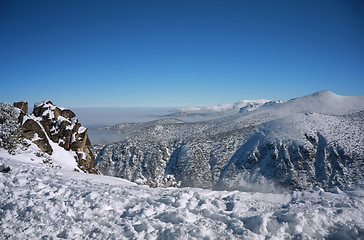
(50, 123)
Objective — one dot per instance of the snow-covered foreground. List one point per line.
(41, 202)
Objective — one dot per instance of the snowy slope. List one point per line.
(60, 158)
(44, 203)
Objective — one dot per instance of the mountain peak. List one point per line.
(324, 93)
(325, 102)
(319, 94)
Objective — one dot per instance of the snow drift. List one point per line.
(44, 203)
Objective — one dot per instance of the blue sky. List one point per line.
(178, 53)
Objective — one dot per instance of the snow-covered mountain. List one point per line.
(312, 141)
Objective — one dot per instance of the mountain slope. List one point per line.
(315, 140)
(303, 151)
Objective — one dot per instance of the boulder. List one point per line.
(39, 108)
(32, 131)
(23, 106)
(66, 113)
(59, 125)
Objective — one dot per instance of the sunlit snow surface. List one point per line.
(40, 202)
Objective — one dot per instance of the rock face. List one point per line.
(23, 106)
(308, 142)
(58, 125)
(32, 130)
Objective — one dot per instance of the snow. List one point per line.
(73, 123)
(63, 158)
(49, 113)
(41, 202)
(60, 119)
(36, 137)
(336, 129)
(45, 103)
(60, 158)
(26, 117)
(73, 138)
(82, 129)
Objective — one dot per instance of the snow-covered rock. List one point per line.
(51, 132)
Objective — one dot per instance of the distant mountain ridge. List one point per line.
(226, 107)
(307, 142)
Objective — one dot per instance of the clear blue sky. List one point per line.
(178, 53)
